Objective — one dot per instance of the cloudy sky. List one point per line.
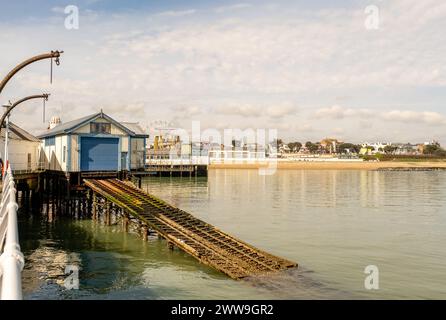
(309, 70)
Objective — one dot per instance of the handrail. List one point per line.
(11, 258)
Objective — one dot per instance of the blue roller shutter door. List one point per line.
(99, 154)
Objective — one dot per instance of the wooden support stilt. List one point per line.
(47, 196)
(56, 195)
(60, 195)
(40, 195)
(94, 210)
(73, 207)
(50, 212)
(145, 232)
(67, 197)
(89, 202)
(107, 213)
(31, 200)
(79, 204)
(125, 222)
(52, 195)
(28, 200)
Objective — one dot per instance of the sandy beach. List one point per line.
(333, 165)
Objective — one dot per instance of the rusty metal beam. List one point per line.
(51, 55)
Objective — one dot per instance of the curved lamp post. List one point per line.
(8, 112)
(43, 96)
(51, 55)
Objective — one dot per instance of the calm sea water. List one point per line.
(333, 223)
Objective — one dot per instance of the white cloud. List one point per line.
(432, 118)
(178, 13)
(58, 9)
(249, 110)
(281, 111)
(338, 112)
(404, 116)
(245, 110)
(237, 6)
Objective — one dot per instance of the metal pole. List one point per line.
(11, 107)
(6, 141)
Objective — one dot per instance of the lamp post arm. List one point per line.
(50, 55)
(15, 104)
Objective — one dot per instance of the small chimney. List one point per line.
(54, 122)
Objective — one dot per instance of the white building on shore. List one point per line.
(23, 148)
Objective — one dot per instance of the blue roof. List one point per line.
(71, 126)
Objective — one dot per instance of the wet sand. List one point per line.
(336, 165)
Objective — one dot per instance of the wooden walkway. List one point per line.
(203, 241)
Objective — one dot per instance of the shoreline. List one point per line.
(339, 165)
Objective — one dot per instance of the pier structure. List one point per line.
(174, 163)
(110, 198)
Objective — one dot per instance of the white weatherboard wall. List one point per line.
(74, 153)
(55, 157)
(19, 151)
(114, 130)
(137, 153)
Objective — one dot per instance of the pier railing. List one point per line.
(11, 258)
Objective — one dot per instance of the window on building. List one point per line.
(64, 153)
(50, 141)
(97, 127)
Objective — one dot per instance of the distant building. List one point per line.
(330, 145)
(407, 149)
(23, 148)
(373, 148)
(93, 143)
(303, 150)
(422, 146)
(284, 149)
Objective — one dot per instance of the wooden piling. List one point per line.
(125, 222)
(94, 206)
(107, 213)
(145, 232)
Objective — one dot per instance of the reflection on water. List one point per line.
(333, 223)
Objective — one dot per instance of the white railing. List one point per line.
(178, 161)
(11, 258)
(236, 156)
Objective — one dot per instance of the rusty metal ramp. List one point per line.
(203, 241)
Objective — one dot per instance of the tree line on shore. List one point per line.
(433, 149)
